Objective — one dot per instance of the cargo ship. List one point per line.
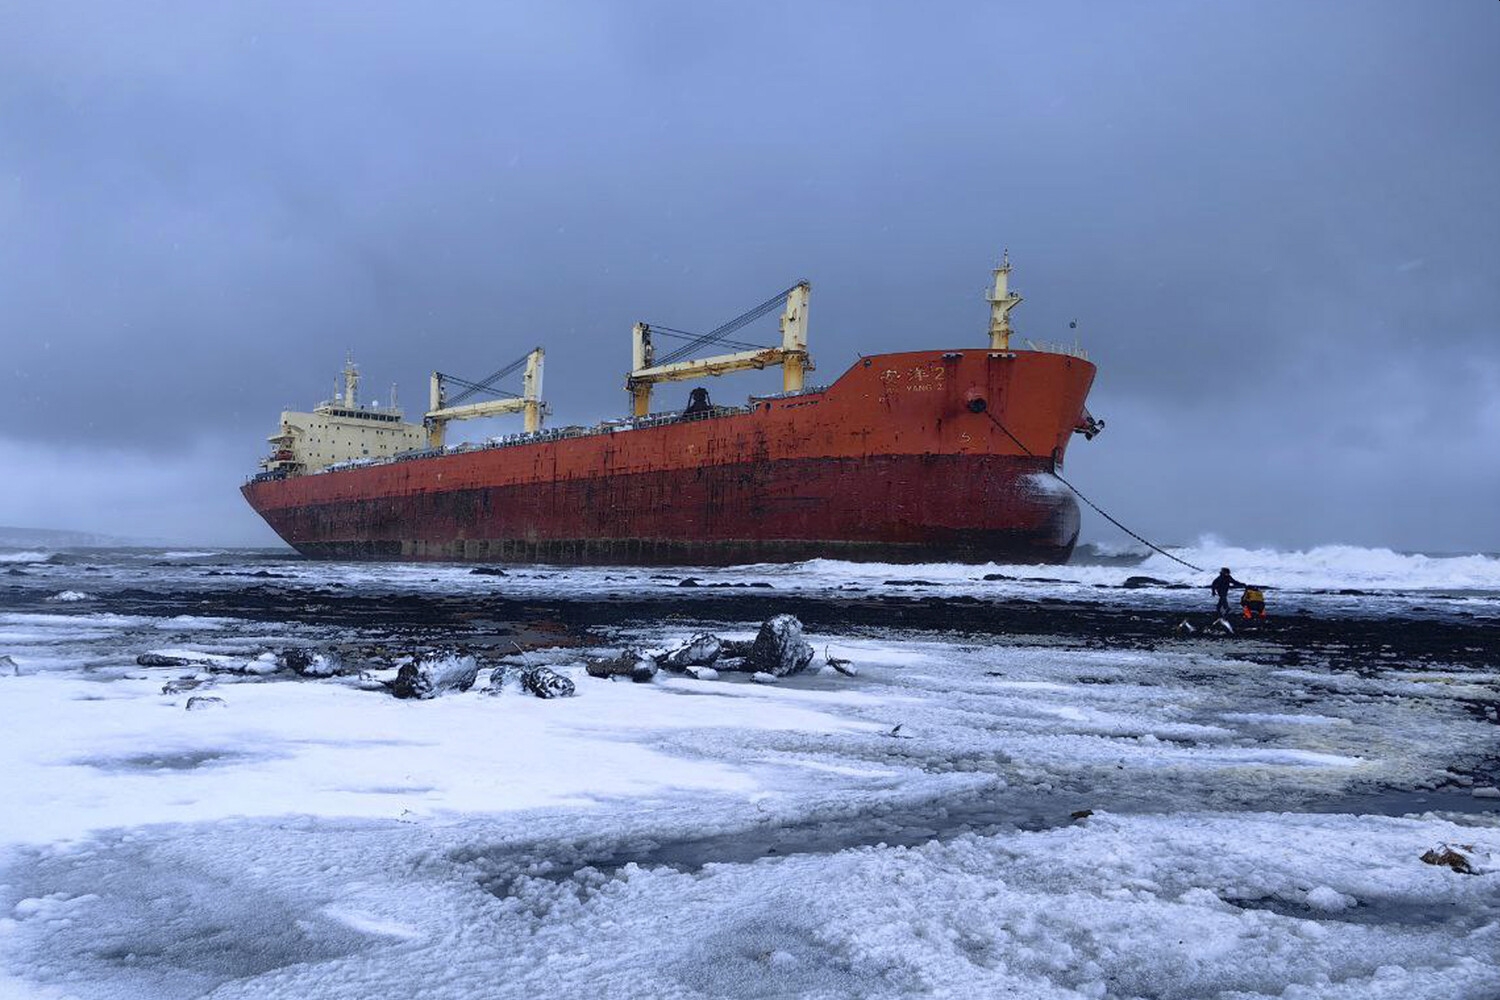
(941, 454)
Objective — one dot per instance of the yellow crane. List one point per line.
(529, 403)
(646, 369)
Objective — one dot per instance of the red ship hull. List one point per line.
(916, 457)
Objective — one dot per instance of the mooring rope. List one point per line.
(1101, 511)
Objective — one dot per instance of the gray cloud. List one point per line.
(1274, 222)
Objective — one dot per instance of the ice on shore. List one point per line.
(966, 817)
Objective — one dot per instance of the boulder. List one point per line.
(487, 571)
(9, 667)
(761, 677)
(199, 702)
(702, 673)
(434, 675)
(632, 663)
(1136, 582)
(544, 682)
(779, 648)
(700, 651)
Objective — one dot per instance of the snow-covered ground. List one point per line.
(967, 817)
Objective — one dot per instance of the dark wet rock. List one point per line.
(700, 651)
(760, 583)
(1136, 582)
(487, 571)
(910, 583)
(1351, 592)
(158, 660)
(691, 581)
(544, 682)
(779, 648)
(13, 571)
(1449, 858)
(736, 648)
(9, 667)
(991, 577)
(632, 663)
(199, 702)
(429, 677)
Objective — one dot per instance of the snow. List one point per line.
(966, 817)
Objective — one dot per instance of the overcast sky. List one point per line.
(1276, 223)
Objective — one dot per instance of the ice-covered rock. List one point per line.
(432, 676)
(761, 677)
(779, 648)
(632, 663)
(265, 663)
(200, 702)
(309, 663)
(1329, 900)
(544, 682)
(702, 673)
(68, 596)
(9, 667)
(699, 651)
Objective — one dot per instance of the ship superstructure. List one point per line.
(938, 454)
(338, 431)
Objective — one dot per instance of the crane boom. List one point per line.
(792, 355)
(529, 403)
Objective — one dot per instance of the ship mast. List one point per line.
(351, 383)
(1002, 300)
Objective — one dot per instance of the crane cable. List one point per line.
(1102, 513)
(719, 333)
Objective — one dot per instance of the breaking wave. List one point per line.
(1320, 568)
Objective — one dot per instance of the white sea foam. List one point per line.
(1325, 567)
(22, 557)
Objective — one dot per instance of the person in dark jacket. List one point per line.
(1221, 585)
